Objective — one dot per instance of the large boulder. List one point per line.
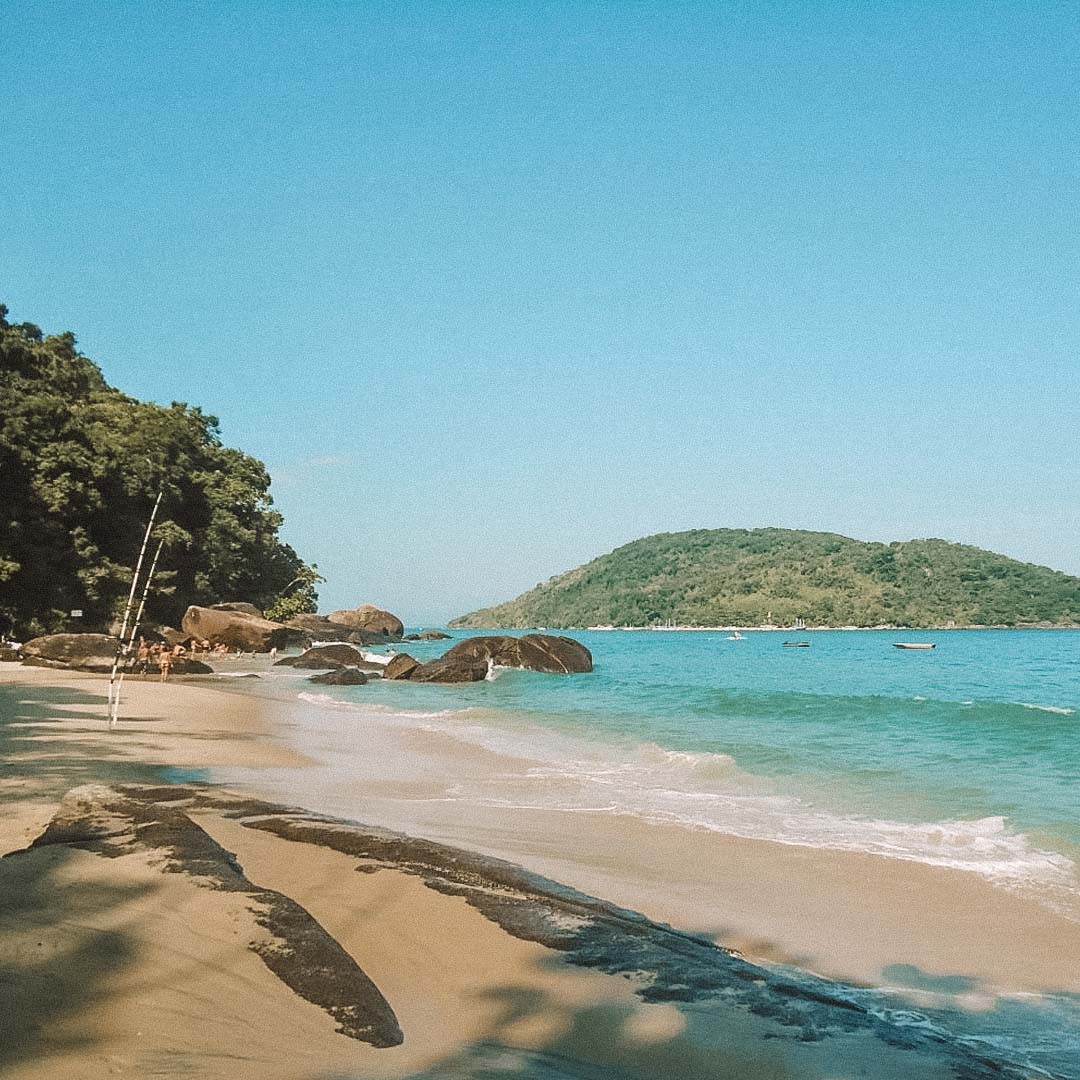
(242, 607)
(323, 656)
(236, 629)
(537, 652)
(369, 617)
(320, 628)
(85, 652)
(427, 635)
(344, 676)
(450, 670)
(184, 665)
(401, 666)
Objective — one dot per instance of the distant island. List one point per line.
(758, 577)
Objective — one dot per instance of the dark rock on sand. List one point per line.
(300, 952)
(369, 617)
(343, 676)
(401, 667)
(85, 652)
(427, 635)
(243, 608)
(236, 629)
(184, 665)
(537, 652)
(9, 655)
(450, 670)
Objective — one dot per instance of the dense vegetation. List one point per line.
(750, 577)
(80, 467)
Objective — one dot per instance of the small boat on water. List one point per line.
(735, 637)
(796, 644)
(914, 645)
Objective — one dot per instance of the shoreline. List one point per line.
(58, 740)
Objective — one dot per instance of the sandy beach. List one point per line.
(151, 924)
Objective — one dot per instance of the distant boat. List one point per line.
(796, 644)
(914, 645)
(735, 637)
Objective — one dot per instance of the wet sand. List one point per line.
(150, 929)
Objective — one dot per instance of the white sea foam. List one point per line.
(544, 770)
(1060, 710)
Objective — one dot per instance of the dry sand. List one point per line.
(132, 945)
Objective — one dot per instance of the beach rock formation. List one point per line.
(427, 635)
(537, 652)
(8, 655)
(401, 667)
(320, 628)
(86, 652)
(236, 629)
(243, 608)
(344, 676)
(323, 656)
(184, 665)
(369, 617)
(450, 670)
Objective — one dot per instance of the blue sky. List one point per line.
(493, 288)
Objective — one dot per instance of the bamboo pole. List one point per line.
(115, 710)
(131, 599)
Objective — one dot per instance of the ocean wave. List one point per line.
(325, 701)
(1059, 710)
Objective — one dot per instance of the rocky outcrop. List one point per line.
(8, 655)
(427, 635)
(243, 608)
(325, 656)
(537, 652)
(184, 665)
(450, 670)
(320, 628)
(345, 676)
(236, 629)
(85, 652)
(401, 667)
(369, 617)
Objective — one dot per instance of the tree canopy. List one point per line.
(80, 467)
(750, 577)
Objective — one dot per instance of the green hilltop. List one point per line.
(752, 577)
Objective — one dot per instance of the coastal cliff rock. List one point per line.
(86, 652)
(236, 629)
(344, 676)
(320, 628)
(401, 667)
(537, 652)
(450, 670)
(369, 617)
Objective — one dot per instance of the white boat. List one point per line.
(914, 645)
(735, 637)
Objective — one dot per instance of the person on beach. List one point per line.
(142, 657)
(165, 663)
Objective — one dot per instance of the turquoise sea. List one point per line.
(965, 756)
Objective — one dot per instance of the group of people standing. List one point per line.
(151, 655)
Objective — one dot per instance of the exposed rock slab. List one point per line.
(84, 652)
(320, 628)
(451, 669)
(299, 951)
(400, 667)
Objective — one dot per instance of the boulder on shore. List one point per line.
(236, 629)
(320, 628)
(401, 667)
(537, 652)
(369, 617)
(427, 635)
(451, 670)
(86, 652)
(343, 676)
(323, 656)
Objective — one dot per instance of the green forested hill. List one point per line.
(80, 467)
(749, 577)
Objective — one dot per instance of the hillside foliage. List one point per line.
(80, 467)
(753, 577)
